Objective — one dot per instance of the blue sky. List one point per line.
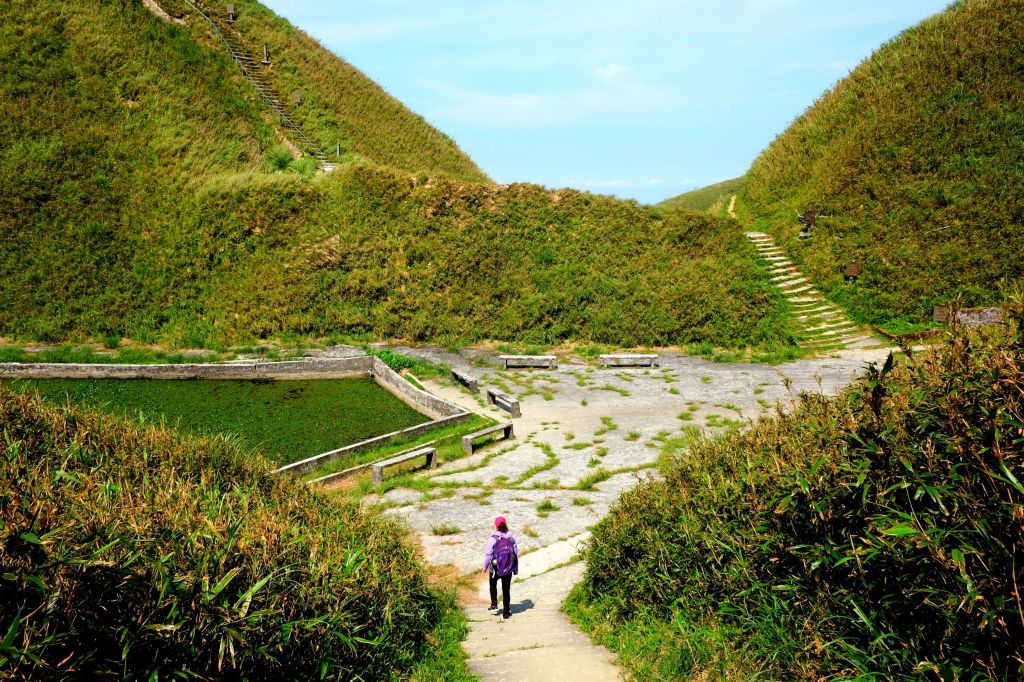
(641, 99)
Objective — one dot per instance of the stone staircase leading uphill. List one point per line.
(823, 324)
(255, 73)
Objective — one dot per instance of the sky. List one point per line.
(642, 99)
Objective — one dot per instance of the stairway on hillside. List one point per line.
(255, 73)
(823, 324)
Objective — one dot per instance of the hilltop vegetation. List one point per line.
(132, 552)
(139, 198)
(876, 535)
(913, 162)
(711, 199)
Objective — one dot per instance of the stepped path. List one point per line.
(586, 435)
(258, 77)
(823, 324)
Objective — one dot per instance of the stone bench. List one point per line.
(467, 441)
(548, 361)
(629, 360)
(466, 380)
(381, 467)
(504, 401)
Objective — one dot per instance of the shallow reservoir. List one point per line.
(287, 420)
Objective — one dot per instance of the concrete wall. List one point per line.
(313, 463)
(421, 401)
(310, 368)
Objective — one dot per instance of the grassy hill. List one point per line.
(711, 199)
(143, 194)
(132, 552)
(872, 536)
(913, 161)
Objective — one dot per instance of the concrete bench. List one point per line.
(381, 467)
(629, 360)
(504, 401)
(466, 380)
(467, 441)
(548, 361)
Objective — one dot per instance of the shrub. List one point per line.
(874, 534)
(133, 552)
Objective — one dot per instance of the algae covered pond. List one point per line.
(287, 420)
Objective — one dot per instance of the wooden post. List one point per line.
(339, 151)
(231, 12)
(296, 98)
(266, 54)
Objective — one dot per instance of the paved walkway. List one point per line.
(586, 435)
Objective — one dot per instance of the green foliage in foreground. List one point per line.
(711, 199)
(914, 162)
(132, 552)
(877, 535)
(286, 420)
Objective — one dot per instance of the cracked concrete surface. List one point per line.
(560, 445)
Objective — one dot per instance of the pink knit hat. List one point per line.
(498, 521)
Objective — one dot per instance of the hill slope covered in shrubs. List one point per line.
(140, 197)
(129, 551)
(877, 535)
(913, 163)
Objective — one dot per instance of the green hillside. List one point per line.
(143, 193)
(871, 536)
(913, 162)
(711, 199)
(132, 552)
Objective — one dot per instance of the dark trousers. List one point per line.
(506, 587)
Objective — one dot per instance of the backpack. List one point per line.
(505, 560)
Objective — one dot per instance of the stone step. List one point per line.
(834, 324)
(788, 285)
(802, 289)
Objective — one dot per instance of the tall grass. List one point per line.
(913, 163)
(134, 203)
(877, 535)
(132, 552)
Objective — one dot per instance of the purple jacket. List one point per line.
(489, 555)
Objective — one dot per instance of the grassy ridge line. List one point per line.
(913, 161)
(129, 551)
(340, 105)
(872, 536)
(711, 199)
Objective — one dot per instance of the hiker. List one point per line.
(501, 561)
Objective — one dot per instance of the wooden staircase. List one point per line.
(824, 326)
(256, 73)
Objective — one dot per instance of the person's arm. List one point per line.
(489, 554)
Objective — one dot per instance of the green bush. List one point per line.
(132, 552)
(876, 535)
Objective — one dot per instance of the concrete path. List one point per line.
(538, 642)
(586, 435)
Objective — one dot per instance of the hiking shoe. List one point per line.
(493, 608)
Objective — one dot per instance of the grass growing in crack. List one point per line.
(582, 445)
(632, 435)
(611, 387)
(582, 501)
(546, 507)
(607, 425)
(528, 531)
(705, 379)
(445, 529)
(590, 480)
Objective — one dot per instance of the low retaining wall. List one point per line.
(427, 403)
(313, 463)
(312, 368)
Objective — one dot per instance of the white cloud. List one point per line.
(610, 72)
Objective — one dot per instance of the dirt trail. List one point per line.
(732, 207)
(562, 472)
